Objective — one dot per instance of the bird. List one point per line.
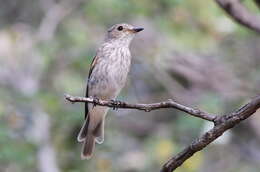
(107, 76)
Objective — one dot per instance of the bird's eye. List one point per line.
(120, 28)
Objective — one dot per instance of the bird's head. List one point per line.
(122, 32)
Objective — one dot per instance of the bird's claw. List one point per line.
(116, 103)
(95, 101)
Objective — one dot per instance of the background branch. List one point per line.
(257, 2)
(240, 14)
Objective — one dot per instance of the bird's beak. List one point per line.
(137, 29)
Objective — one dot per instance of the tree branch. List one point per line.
(221, 123)
(145, 107)
(240, 14)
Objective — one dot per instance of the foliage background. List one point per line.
(190, 51)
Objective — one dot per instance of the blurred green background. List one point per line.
(190, 51)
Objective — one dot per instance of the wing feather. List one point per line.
(93, 64)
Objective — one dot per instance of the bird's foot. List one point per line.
(116, 103)
(95, 101)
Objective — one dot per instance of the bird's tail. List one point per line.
(99, 132)
(88, 146)
(83, 131)
(92, 131)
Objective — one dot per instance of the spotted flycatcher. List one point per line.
(107, 76)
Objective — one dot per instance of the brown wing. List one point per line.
(84, 130)
(93, 64)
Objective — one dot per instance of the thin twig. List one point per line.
(146, 107)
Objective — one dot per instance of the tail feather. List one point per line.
(88, 147)
(92, 131)
(83, 131)
(99, 132)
